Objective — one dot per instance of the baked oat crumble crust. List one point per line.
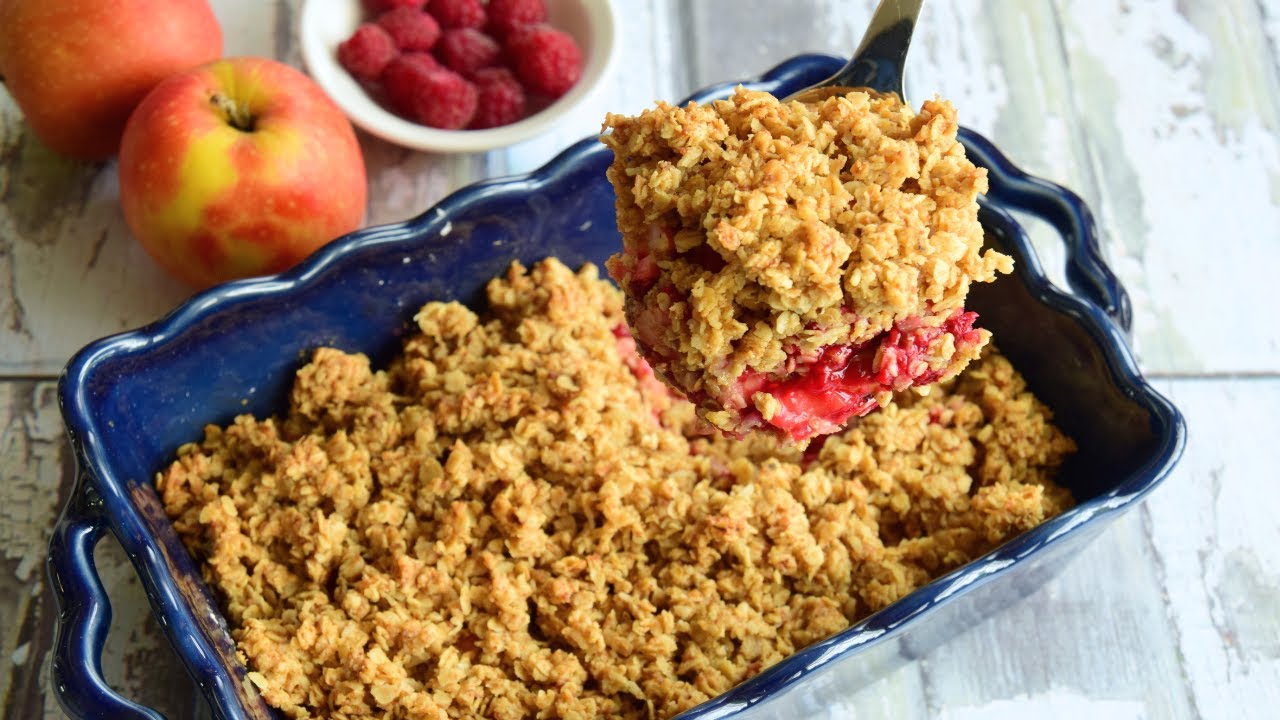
(513, 520)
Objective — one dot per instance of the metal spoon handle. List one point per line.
(882, 55)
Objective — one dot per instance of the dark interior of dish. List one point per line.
(1063, 360)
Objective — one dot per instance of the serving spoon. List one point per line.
(878, 63)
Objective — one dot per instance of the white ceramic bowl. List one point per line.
(326, 23)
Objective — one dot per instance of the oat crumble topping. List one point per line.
(757, 232)
(514, 520)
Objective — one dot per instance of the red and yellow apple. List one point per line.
(240, 167)
(77, 68)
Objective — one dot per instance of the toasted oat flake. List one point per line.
(514, 520)
(758, 232)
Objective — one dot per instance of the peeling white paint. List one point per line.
(30, 473)
(21, 654)
(1185, 161)
(1216, 534)
(1050, 706)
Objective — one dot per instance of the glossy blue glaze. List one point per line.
(130, 400)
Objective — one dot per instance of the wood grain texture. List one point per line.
(1215, 534)
(1178, 103)
(33, 480)
(1163, 115)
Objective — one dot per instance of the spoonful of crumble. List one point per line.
(790, 264)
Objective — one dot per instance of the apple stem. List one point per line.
(236, 114)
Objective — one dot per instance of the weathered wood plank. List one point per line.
(35, 477)
(32, 479)
(63, 241)
(1216, 542)
(1097, 631)
(1178, 103)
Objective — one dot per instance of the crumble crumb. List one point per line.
(515, 520)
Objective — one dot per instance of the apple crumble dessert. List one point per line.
(514, 519)
(788, 266)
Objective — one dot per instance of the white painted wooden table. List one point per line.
(1164, 115)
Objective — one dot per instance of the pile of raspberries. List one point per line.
(455, 64)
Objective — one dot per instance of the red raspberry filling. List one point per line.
(653, 388)
(817, 396)
(637, 268)
(820, 395)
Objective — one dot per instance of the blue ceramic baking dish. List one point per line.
(130, 400)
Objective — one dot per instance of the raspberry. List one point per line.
(434, 97)
(467, 50)
(423, 61)
(411, 29)
(501, 99)
(457, 13)
(547, 60)
(381, 6)
(367, 52)
(507, 15)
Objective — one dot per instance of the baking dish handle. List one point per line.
(1087, 272)
(84, 614)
